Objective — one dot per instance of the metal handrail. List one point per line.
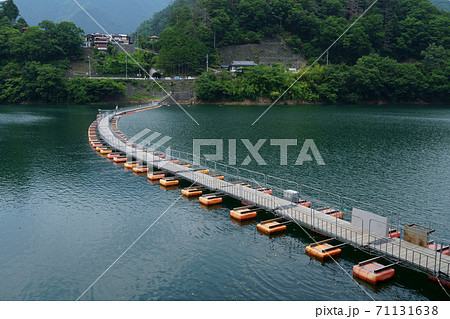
(319, 221)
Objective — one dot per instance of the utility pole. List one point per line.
(327, 57)
(207, 62)
(89, 57)
(126, 67)
(214, 39)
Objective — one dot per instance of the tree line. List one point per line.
(372, 78)
(34, 61)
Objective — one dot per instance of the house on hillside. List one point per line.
(101, 41)
(233, 67)
(101, 44)
(96, 40)
(88, 41)
(120, 39)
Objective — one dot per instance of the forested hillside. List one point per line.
(401, 29)
(117, 16)
(391, 43)
(156, 24)
(33, 62)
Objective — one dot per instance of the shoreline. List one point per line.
(259, 102)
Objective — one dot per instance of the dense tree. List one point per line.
(435, 57)
(114, 62)
(65, 35)
(10, 10)
(34, 45)
(373, 78)
(90, 91)
(48, 42)
(401, 29)
(156, 24)
(436, 62)
(43, 82)
(181, 51)
(8, 36)
(33, 63)
(20, 23)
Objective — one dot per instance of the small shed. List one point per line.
(241, 64)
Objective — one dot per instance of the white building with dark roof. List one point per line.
(241, 64)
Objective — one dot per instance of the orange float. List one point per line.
(169, 181)
(106, 151)
(156, 154)
(441, 281)
(156, 175)
(140, 169)
(184, 164)
(332, 212)
(394, 233)
(191, 192)
(323, 250)
(264, 190)
(242, 184)
(112, 155)
(337, 214)
(304, 203)
(373, 272)
(120, 159)
(272, 226)
(130, 165)
(218, 176)
(445, 250)
(244, 213)
(202, 170)
(99, 148)
(209, 200)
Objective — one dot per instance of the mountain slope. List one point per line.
(157, 23)
(442, 4)
(116, 16)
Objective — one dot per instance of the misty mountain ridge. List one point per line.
(116, 16)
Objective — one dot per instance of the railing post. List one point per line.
(362, 232)
(435, 256)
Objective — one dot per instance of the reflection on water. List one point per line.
(67, 213)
